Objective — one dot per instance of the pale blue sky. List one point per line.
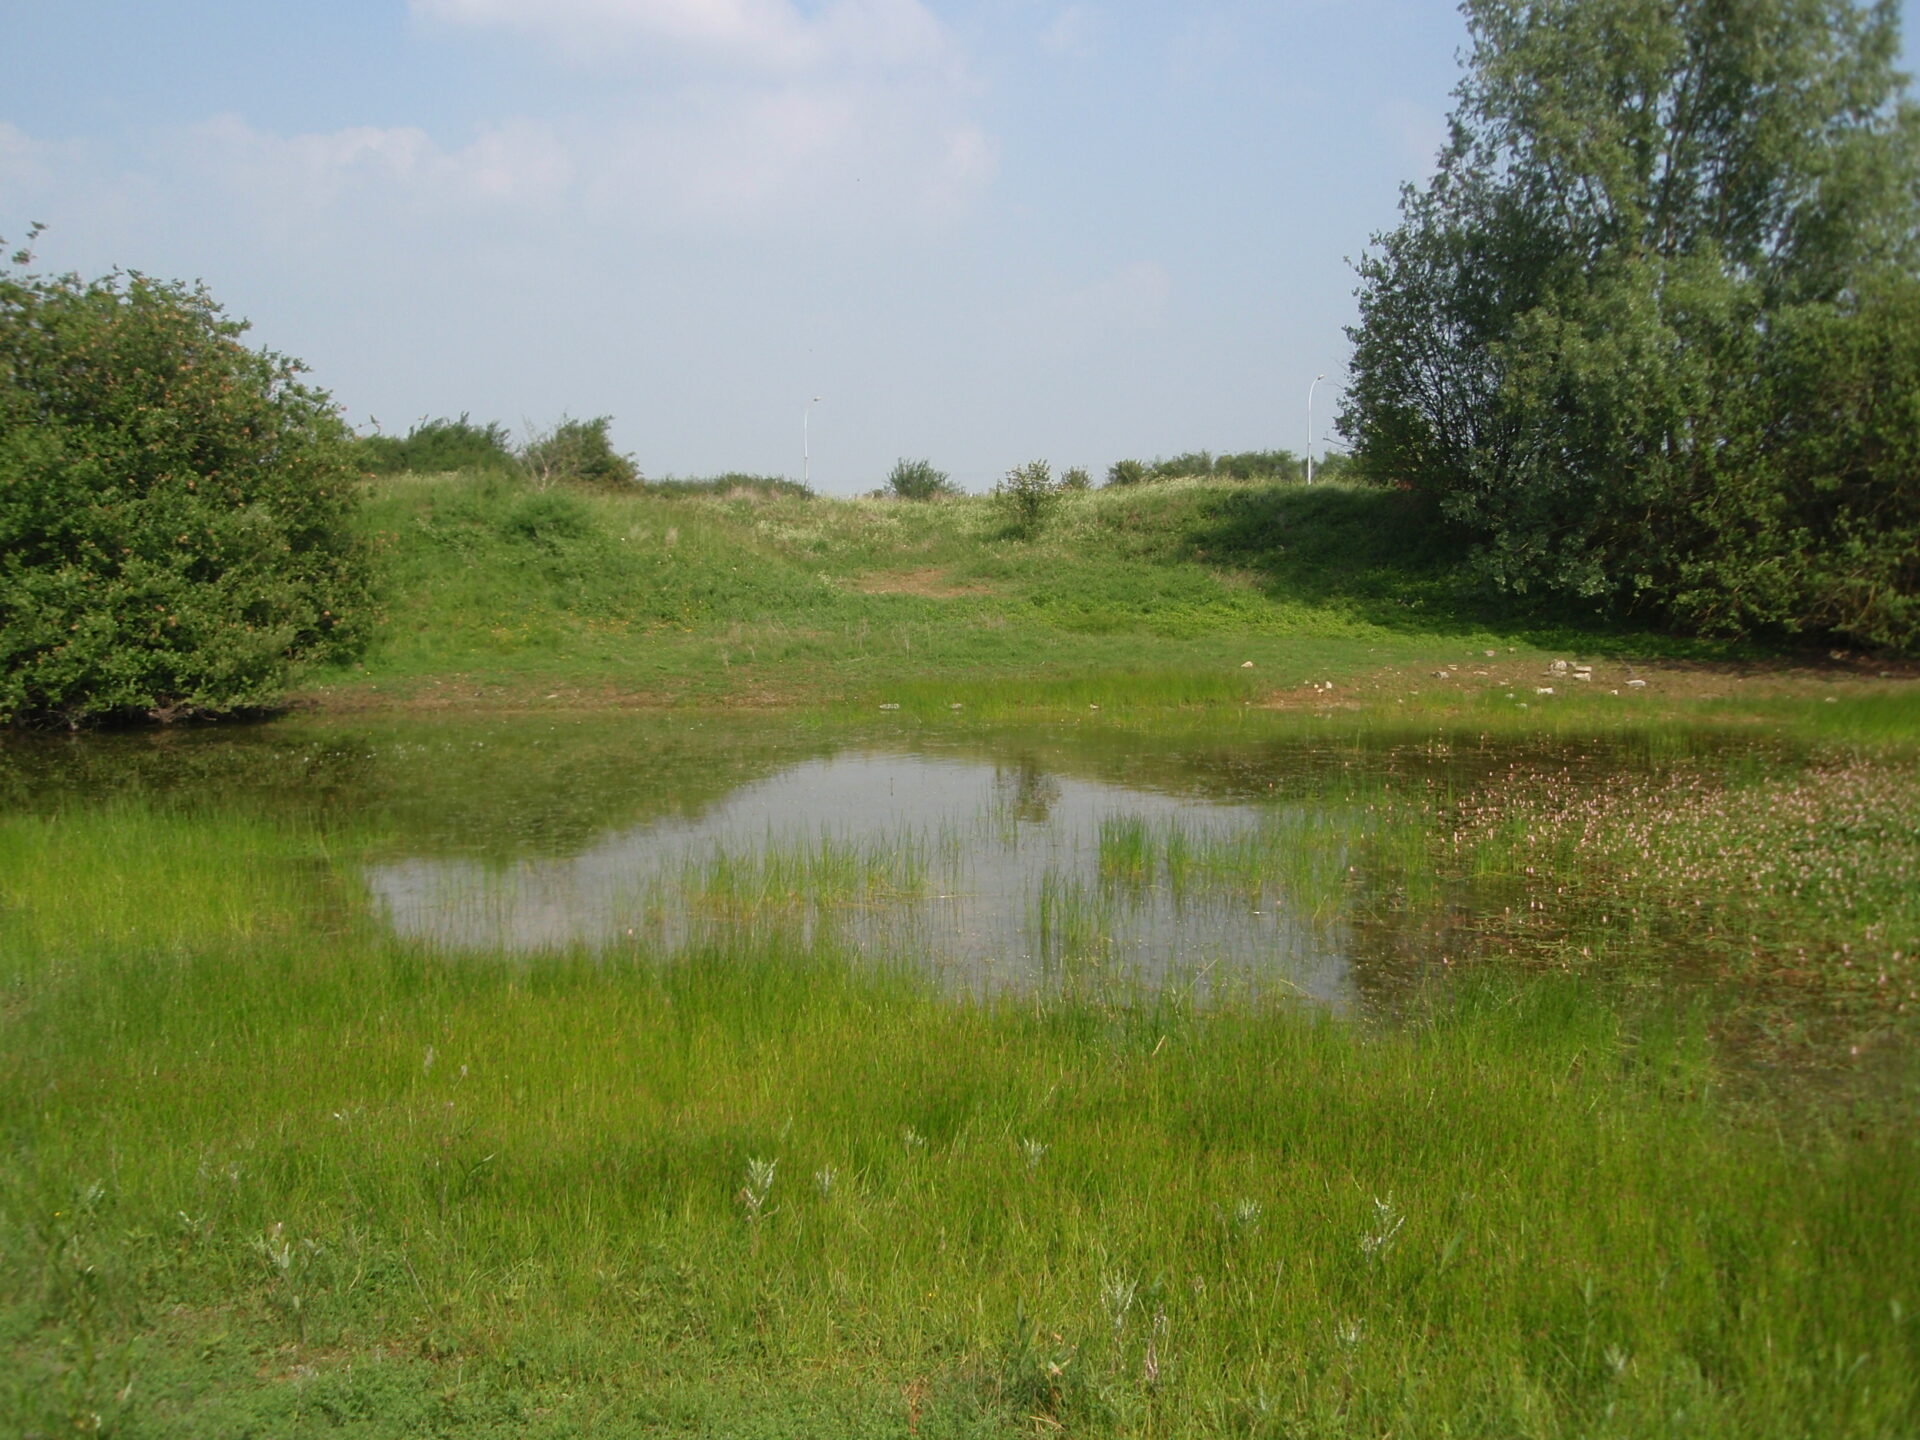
(984, 231)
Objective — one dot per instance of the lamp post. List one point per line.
(806, 443)
(1316, 380)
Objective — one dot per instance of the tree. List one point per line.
(175, 508)
(1581, 340)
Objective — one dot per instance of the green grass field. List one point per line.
(268, 1170)
(1154, 594)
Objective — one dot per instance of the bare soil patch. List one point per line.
(932, 583)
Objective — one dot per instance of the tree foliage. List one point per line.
(174, 507)
(579, 452)
(1260, 465)
(438, 446)
(1641, 335)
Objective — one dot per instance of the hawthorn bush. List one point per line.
(175, 507)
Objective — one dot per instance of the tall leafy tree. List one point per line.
(1591, 337)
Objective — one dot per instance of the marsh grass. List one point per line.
(1800, 870)
(822, 873)
(268, 1174)
(1300, 858)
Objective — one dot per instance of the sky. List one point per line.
(982, 232)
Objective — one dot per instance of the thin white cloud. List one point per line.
(827, 156)
(519, 163)
(831, 156)
(755, 34)
(850, 113)
(26, 163)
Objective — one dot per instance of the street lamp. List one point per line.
(1316, 380)
(806, 443)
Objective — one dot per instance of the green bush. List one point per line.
(1203, 465)
(918, 480)
(1027, 496)
(435, 447)
(548, 517)
(1076, 478)
(734, 483)
(1263, 465)
(175, 508)
(1195, 463)
(579, 452)
(1336, 465)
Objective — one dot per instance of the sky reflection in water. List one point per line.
(990, 873)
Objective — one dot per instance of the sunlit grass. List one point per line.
(268, 1168)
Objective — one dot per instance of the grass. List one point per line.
(272, 1171)
(1154, 595)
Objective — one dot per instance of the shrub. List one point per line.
(918, 480)
(1027, 496)
(439, 446)
(548, 517)
(175, 508)
(1262, 465)
(1126, 472)
(734, 483)
(1076, 478)
(1336, 465)
(579, 452)
(1195, 463)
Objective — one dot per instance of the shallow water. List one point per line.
(990, 874)
(1225, 857)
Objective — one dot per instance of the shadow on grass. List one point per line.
(1386, 557)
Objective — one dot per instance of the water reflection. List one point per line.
(993, 874)
(1364, 869)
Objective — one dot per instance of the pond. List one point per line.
(1355, 870)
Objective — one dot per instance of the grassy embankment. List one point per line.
(270, 1171)
(1155, 595)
